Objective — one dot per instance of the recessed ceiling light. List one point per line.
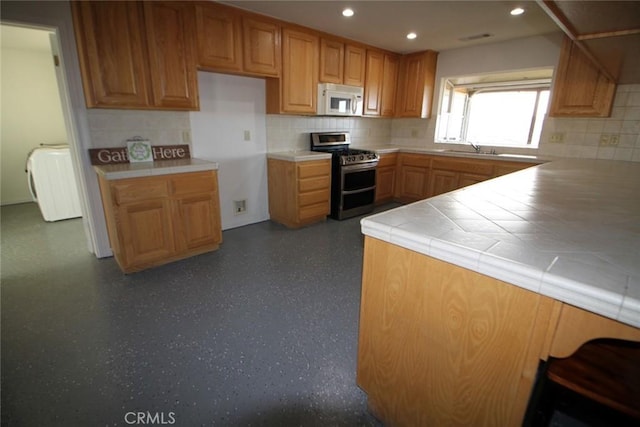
(517, 11)
(347, 12)
(412, 36)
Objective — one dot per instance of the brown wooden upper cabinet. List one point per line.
(297, 90)
(390, 70)
(169, 26)
(124, 79)
(380, 83)
(219, 37)
(580, 89)
(416, 84)
(341, 63)
(331, 61)
(354, 65)
(262, 49)
(233, 41)
(136, 55)
(373, 83)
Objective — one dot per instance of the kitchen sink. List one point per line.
(489, 153)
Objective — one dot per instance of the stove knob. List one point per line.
(361, 157)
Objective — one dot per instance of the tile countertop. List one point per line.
(162, 167)
(568, 229)
(298, 156)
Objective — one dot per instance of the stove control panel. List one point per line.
(364, 157)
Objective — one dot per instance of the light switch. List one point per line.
(247, 135)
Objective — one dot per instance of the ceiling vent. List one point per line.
(475, 37)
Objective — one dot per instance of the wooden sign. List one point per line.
(111, 156)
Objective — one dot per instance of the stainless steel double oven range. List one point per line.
(353, 174)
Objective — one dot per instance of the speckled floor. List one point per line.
(260, 332)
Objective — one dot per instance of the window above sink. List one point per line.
(498, 110)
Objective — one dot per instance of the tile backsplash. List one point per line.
(112, 128)
(292, 132)
(583, 137)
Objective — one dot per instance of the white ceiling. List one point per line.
(439, 24)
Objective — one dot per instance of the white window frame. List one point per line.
(449, 86)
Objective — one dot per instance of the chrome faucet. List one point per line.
(475, 147)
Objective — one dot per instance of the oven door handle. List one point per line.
(359, 190)
(359, 166)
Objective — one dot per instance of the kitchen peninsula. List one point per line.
(465, 293)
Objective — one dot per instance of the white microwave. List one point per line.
(339, 100)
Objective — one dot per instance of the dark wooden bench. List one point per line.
(605, 371)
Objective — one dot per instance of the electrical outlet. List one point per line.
(186, 137)
(557, 137)
(414, 133)
(239, 207)
(247, 135)
(609, 140)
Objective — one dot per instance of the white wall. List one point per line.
(31, 115)
(229, 107)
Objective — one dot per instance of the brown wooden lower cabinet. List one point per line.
(412, 177)
(419, 176)
(442, 345)
(299, 192)
(386, 178)
(160, 219)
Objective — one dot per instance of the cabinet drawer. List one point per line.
(310, 184)
(415, 160)
(484, 168)
(197, 182)
(314, 211)
(312, 197)
(137, 189)
(311, 169)
(387, 160)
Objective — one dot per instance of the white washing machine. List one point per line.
(52, 183)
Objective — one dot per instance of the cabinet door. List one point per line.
(199, 221)
(146, 232)
(469, 179)
(504, 168)
(385, 183)
(197, 210)
(580, 89)
(299, 71)
(331, 61)
(417, 82)
(219, 35)
(413, 183)
(389, 83)
(261, 47)
(443, 182)
(112, 54)
(373, 83)
(354, 65)
(169, 27)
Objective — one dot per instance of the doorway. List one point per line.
(35, 114)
